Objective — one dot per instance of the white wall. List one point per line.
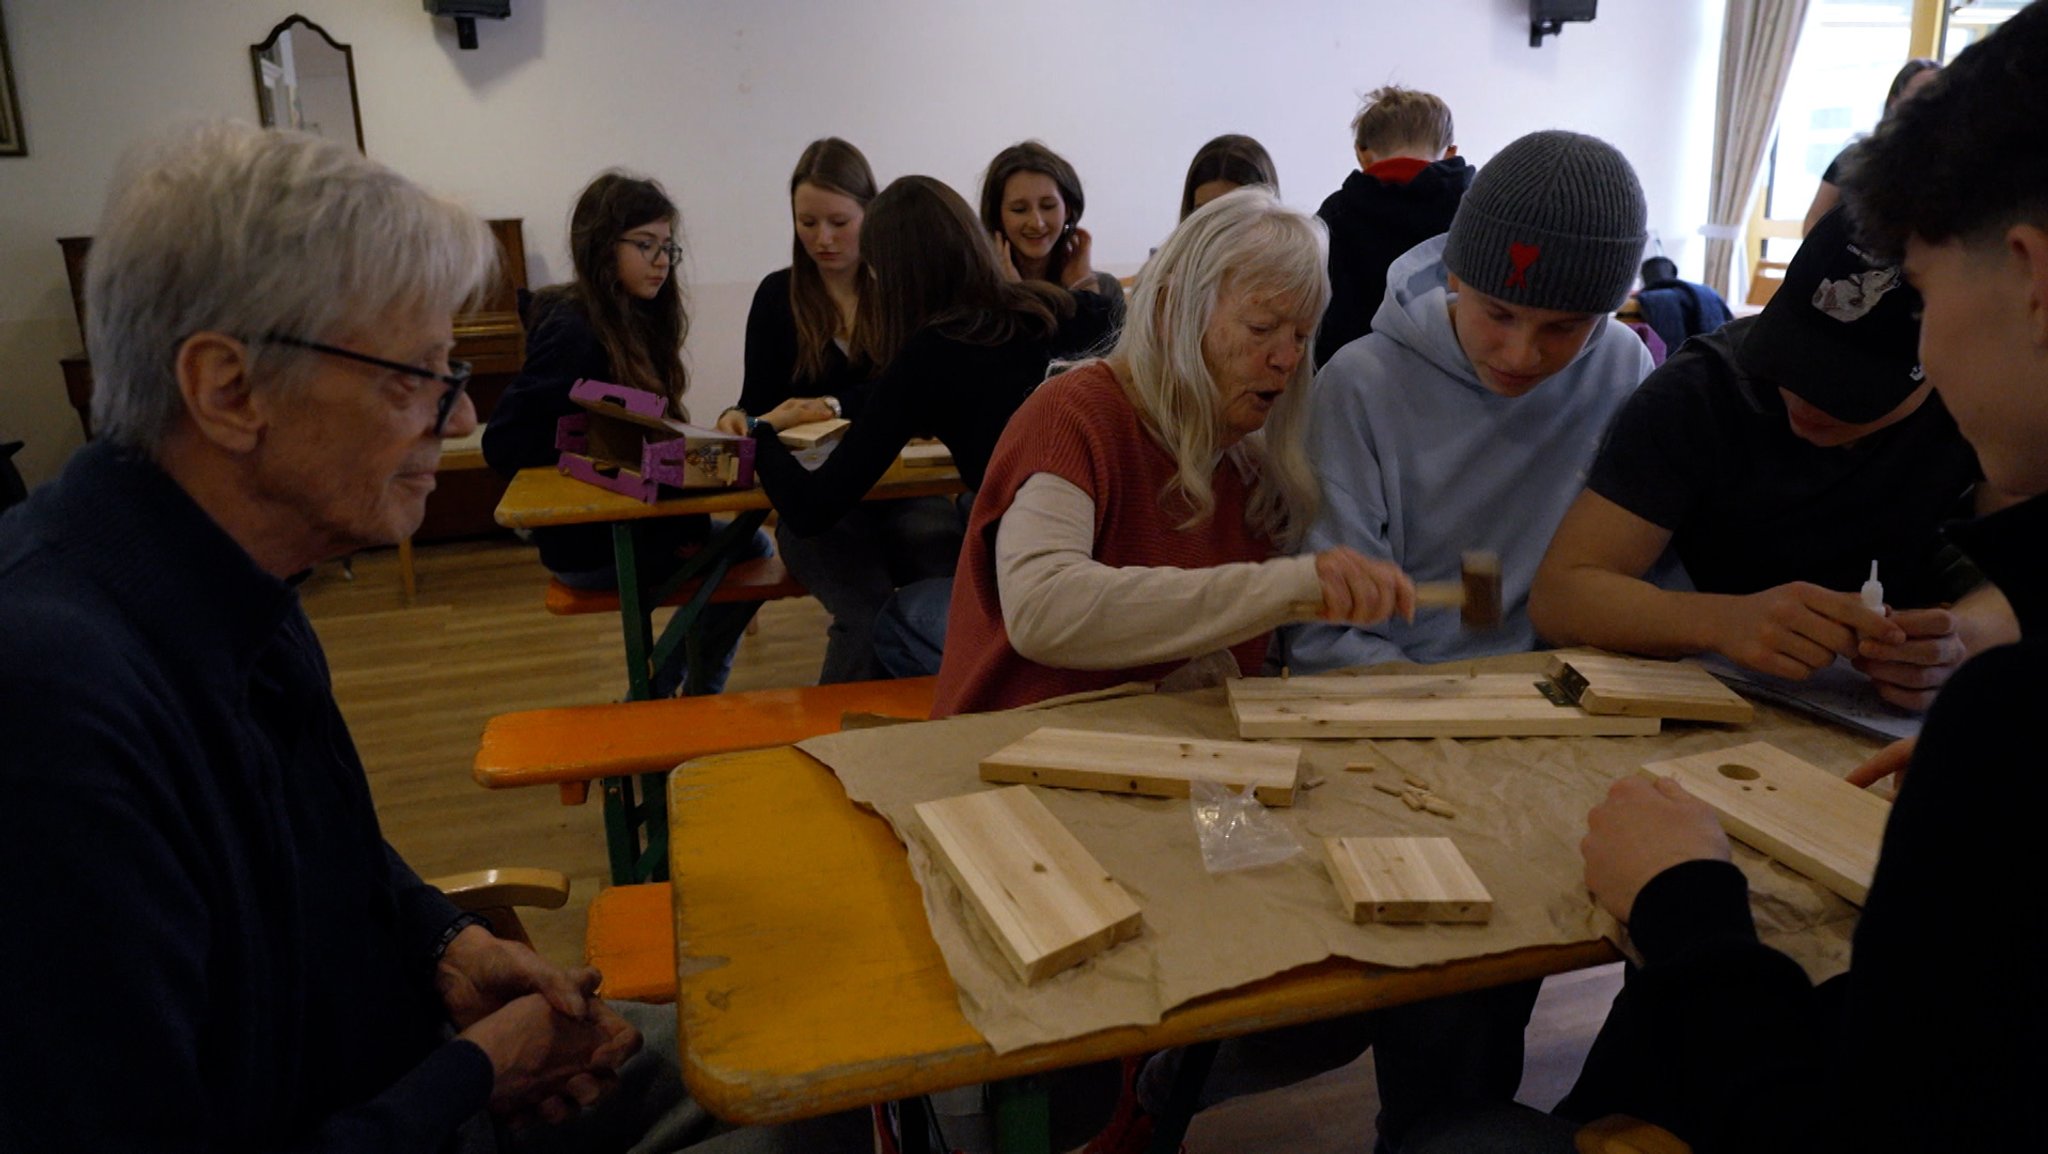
(717, 97)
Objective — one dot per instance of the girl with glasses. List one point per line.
(622, 320)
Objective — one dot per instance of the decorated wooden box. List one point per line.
(625, 443)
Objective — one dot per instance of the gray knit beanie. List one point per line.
(1555, 221)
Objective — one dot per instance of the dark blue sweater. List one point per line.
(209, 944)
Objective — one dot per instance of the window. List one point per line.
(1971, 20)
(1848, 53)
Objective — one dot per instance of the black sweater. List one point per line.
(1372, 222)
(1933, 1039)
(209, 944)
(961, 393)
(562, 347)
(771, 357)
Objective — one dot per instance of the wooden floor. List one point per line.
(417, 684)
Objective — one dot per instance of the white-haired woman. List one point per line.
(1132, 514)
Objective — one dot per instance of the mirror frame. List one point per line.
(348, 58)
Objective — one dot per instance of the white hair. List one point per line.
(249, 232)
(1249, 242)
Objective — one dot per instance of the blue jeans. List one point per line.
(910, 633)
(854, 567)
(720, 626)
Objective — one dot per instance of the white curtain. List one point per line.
(1756, 56)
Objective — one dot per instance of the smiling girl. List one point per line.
(1031, 205)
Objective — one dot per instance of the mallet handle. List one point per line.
(1439, 595)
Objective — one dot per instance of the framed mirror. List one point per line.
(305, 80)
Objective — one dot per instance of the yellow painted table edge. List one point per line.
(771, 1032)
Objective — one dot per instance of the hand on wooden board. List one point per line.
(1891, 761)
(1646, 826)
(797, 411)
(1795, 629)
(1908, 673)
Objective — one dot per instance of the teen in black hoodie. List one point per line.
(1408, 186)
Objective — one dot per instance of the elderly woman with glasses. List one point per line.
(621, 320)
(1132, 517)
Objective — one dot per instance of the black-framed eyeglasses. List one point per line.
(648, 248)
(456, 378)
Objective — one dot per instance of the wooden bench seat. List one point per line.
(570, 747)
(631, 939)
(762, 579)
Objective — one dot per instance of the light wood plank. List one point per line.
(814, 433)
(1802, 815)
(1041, 895)
(1415, 705)
(1406, 879)
(926, 455)
(1609, 684)
(1144, 764)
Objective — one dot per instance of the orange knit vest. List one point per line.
(1081, 427)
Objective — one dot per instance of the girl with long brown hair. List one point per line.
(799, 332)
(623, 320)
(1031, 203)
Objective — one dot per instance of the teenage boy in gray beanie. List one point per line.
(1467, 417)
(1932, 1039)
(1779, 459)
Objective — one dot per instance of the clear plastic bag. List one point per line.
(1235, 829)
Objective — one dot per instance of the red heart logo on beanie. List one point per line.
(1521, 256)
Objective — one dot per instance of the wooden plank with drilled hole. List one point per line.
(1804, 816)
(1144, 764)
(1406, 879)
(1415, 705)
(1043, 898)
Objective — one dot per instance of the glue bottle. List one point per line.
(1873, 592)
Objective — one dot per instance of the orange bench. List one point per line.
(761, 579)
(630, 935)
(631, 939)
(573, 746)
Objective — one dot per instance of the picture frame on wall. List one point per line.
(12, 143)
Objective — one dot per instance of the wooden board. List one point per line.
(1609, 684)
(1041, 895)
(1415, 705)
(813, 434)
(1406, 879)
(1803, 816)
(926, 455)
(1141, 764)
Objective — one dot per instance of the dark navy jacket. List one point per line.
(209, 944)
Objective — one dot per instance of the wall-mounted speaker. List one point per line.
(466, 13)
(1548, 17)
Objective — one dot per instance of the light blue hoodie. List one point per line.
(1420, 462)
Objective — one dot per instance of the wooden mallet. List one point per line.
(1475, 595)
